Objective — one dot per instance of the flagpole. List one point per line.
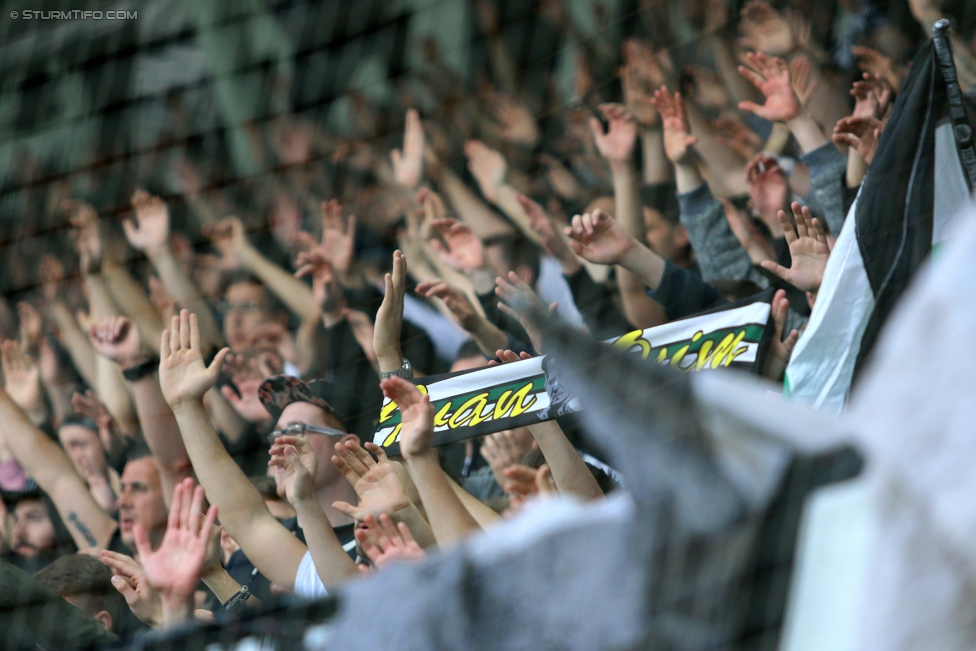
(960, 124)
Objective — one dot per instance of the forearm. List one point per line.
(489, 337)
(110, 387)
(243, 513)
(291, 291)
(569, 471)
(472, 211)
(176, 610)
(419, 527)
(509, 205)
(857, 168)
(807, 132)
(724, 167)
(657, 167)
(99, 299)
(130, 297)
(223, 585)
(162, 433)
(76, 341)
(224, 416)
(332, 563)
(449, 519)
(687, 178)
(49, 466)
(185, 292)
(481, 512)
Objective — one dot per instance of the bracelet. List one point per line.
(236, 603)
(405, 371)
(140, 371)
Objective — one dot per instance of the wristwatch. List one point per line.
(405, 371)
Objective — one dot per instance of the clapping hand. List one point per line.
(384, 542)
(416, 417)
(380, 483)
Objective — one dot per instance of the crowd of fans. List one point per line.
(173, 342)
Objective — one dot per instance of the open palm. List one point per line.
(808, 248)
(174, 568)
(182, 373)
(375, 482)
(152, 215)
(772, 77)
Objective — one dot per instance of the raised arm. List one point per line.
(448, 517)
(617, 146)
(42, 459)
(184, 379)
(230, 238)
(117, 339)
(150, 234)
(297, 457)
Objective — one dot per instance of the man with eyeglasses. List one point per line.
(245, 307)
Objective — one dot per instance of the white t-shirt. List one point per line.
(307, 581)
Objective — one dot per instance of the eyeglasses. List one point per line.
(301, 429)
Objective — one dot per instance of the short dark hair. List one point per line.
(241, 277)
(79, 420)
(137, 451)
(80, 575)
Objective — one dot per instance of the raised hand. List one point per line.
(597, 237)
(764, 29)
(117, 338)
(873, 96)
(617, 144)
(338, 237)
(51, 276)
(772, 77)
(326, 291)
(550, 239)
(487, 166)
(516, 296)
(22, 378)
(504, 449)
(182, 375)
(31, 328)
(88, 241)
(778, 355)
(294, 455)
(174, 569)
(247, 375)
(515, 122)
(508, 356)
(378, 483)
(677, 138)
(456, 301)
(640, 75)
(878, 65)
(735, 135)
(408, 165)
(768, 190)
(384, 542)
(87, 404)
(389, 317)
(464, 251)
(230, 239)
(861, 133)
(801, 76)
(150, 232)
(808, 248)
(133, 584)
(416, 417)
